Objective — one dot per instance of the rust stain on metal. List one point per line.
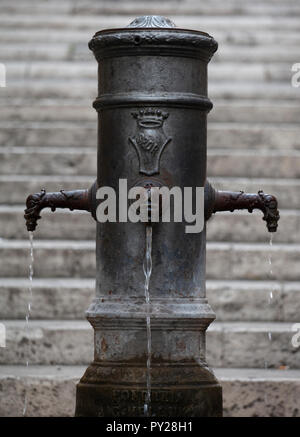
(104, 346)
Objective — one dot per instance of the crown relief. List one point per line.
(149, 139)
(150, 117)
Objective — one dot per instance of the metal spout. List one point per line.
(267, 203)
(35, 203)
(150, 184)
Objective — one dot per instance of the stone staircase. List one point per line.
(48, 139)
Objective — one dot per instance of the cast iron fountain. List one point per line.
(152, 107)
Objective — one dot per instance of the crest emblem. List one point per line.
(149, 140)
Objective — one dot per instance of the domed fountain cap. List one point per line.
(152, 21)
(153, 35)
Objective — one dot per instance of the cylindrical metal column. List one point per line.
(152, 106)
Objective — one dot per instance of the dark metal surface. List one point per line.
(230, 201)
(179, 391)
(35, 203)
(152, 104)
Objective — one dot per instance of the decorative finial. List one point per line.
(152, 21)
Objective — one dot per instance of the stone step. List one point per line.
(60, 299)
(77, 225)
(265, 301)
(55, 110)
(15, 189)
(66, 70)
(75, 161)
(51, 391)
(95, 22)
(251, 344)
(240, 226)
(223, 111)
(62, 258)
(289, 8)
(220, 135)
(218, 71)
(51, 161)
(259, 392)
(47, 342)
(229, 344)
(258, 37)
(253, 163)
(255, 112)
(271, 53)
(63, 224)
(237, 90)
(41, 51)
(48, 134)
(246, 136)
(287, 190)
(261, 72)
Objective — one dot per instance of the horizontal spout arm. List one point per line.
(78, 199)
(229, 201)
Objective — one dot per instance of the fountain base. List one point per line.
(197, 395)
(182, 384)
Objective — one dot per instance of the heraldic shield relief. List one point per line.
(150, 139)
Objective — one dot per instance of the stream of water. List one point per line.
(147, 267)
(28, 312)
(271, 293)
(270, 299)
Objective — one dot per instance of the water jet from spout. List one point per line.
(147, 267)
(29, 305)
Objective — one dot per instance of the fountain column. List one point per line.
(152, 106)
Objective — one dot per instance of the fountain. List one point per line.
(152, 107)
